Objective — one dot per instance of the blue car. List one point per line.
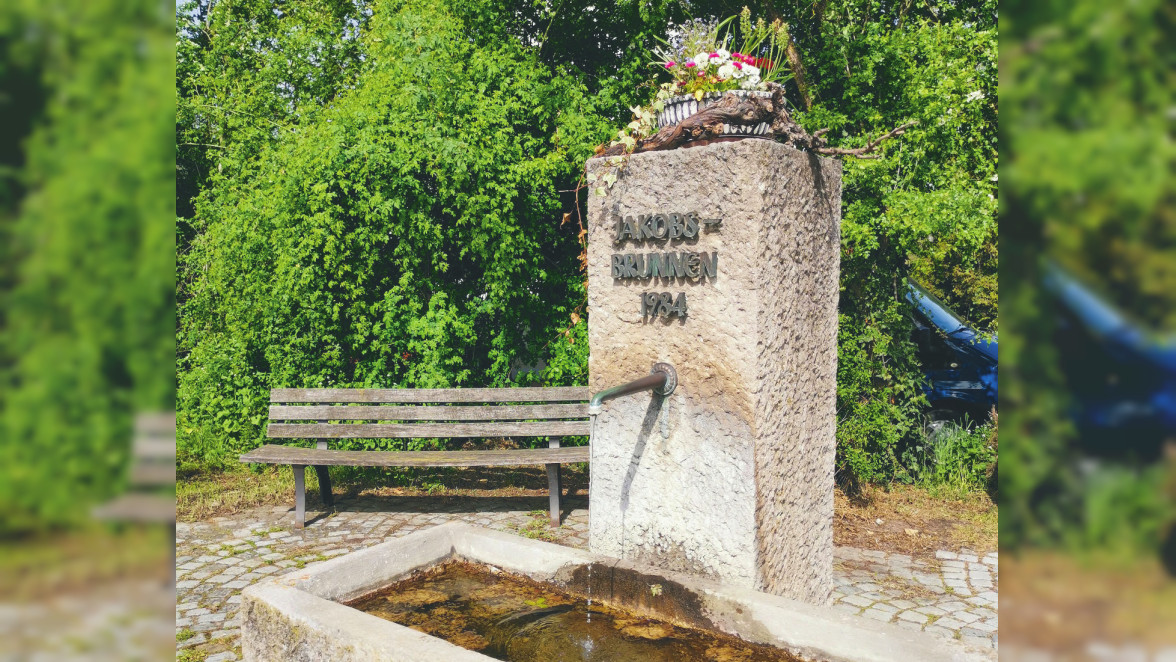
(959, 362)
(1121, 376)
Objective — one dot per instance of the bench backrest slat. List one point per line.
(147, 449)
(428, 430)
(427, 413)
(428, 395)
(153, 450)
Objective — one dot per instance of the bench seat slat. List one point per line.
(424, 395)
(273, 454)
(153, 474)
(137, 507)
(426, 430)
(426, 413)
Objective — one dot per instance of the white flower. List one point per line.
(724, 53)
(726, 71)
(974, 96)
(702, 59)
(739, 73)
(752, 71)
(749, 82)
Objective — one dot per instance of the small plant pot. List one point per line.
(678, 109)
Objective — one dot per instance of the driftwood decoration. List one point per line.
(707, 125)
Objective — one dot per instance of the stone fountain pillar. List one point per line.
(722, 261)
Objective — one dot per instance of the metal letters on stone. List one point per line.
(663, 227)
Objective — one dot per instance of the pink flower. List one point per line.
(714, 56)
(737, 56)
(670, 64)
(738, 65)
(690, 65)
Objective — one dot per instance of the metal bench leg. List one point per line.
(299, 496)
(324, 479)
(553, 485)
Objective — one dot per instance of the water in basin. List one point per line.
(515, 619)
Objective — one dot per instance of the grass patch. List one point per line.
(200, 496)
(184, 635)
(915, 520)
(538, 528)
(57, 562)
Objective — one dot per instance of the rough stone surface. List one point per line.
(732, 475)
(295, 616)
(869, 583)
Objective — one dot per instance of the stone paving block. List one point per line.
(912, 616)
(858, 601)
(903, 604)
(931, 611)
(978, 642)
(965, 616)
(950, 624)
(195, 640)
(226, 656)
(983, 612)
(984, 626)
(953, 605)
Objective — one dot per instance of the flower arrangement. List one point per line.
(700, 59)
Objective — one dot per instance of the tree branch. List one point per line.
(861, 152)
(707, 125)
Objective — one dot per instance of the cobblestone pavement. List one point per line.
(955, 596)
(1093, 652)
(119, 620)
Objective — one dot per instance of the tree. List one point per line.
(400, 222)
(85, 326)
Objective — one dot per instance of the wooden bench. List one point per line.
(153, 466)
(331, 414)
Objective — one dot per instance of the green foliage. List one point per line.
(931, 200)
(394, 219)
(1121, 510)
(404, 235)
(1087, 92)
(956, 456)
(87, 311)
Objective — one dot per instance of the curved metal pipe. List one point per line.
(661, 380)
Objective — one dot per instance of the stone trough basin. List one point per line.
(302, 616)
